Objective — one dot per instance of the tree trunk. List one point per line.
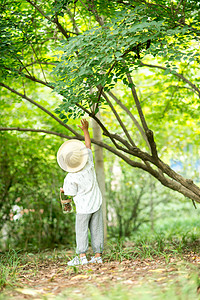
(152, 187)
(99, 167)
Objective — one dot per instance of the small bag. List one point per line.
(66, 205)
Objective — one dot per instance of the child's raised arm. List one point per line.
(84, 127)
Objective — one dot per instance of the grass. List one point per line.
(168, 241)
(180, 289)
(9, 264)
(184, 287)
(149, 246)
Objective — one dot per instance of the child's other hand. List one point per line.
(84, 124)
(61, 189)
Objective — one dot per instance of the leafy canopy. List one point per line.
(103, 55)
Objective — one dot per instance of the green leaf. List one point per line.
(167, 71)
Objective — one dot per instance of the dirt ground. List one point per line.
(52, 278)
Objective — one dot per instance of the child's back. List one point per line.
(83, 186)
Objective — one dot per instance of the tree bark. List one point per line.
(99, 167)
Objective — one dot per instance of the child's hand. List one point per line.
(85, 124)
(61, 189)
(84, 127)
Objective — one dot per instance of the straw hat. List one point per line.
(72, 156)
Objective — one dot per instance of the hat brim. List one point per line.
(84, 155)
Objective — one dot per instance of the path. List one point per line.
(51, 278)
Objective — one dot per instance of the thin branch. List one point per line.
(149, 133)
(100, 88)
(55, 21)
(154, 5)
(32, 78)
(180, 22)
(92, 8)
(38, 62)
(60, 27)
(131, 116)
(73, 21)
(41, 107)
(181, 87)
(35, 130)
(178, 5)
(105, 131)
(194, 88)
(81, 138)
(40, 10)
(122, 141)
(22, 64)
(131, 150)
(137, 102)
(169, 86)
(119, 119)
(29, 41)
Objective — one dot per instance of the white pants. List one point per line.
(94, 222)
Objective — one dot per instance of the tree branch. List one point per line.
(194, 88)
(131, 116)
(136, 152)
(137, 102)
(106, 132)
(73, 21)
(41, 107)
(104, 129)
(131, 150)
(30, 77)
(119, 120)
(93, 9)
(35, 130)
(188, 183)
(37, 62)
(100, 88)
(165, 181)
(81, 138)
(148, 132)
(55, 21)
(22, 64)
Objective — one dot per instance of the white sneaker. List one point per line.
(95, 260)
(78, 261)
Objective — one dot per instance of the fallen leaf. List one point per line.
(105, 278)
(27, 291)
(172, 270)
(158, 270)
(52, 277)
(161, 278)
(79, 277)
(128, 282)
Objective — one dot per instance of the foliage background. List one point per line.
(31, 45)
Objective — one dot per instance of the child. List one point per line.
(80, 182)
